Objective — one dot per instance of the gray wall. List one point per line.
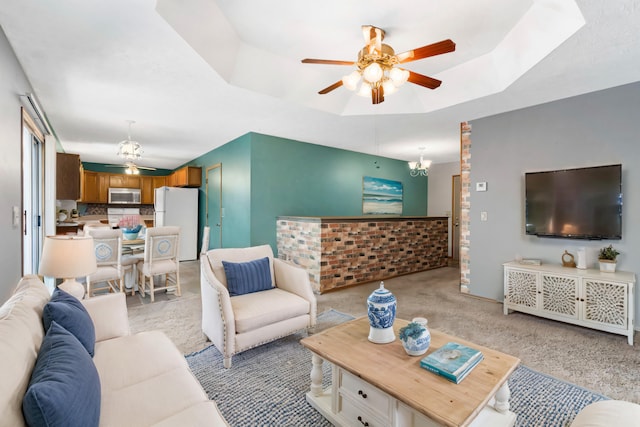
(12, 84)
(595, 129)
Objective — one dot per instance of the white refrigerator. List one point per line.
(179, 206)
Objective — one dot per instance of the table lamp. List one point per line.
(68, 257)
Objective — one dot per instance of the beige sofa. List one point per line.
(238, 323)
(144, 379)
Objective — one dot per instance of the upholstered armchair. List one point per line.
(237, 313)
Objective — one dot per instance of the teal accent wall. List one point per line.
(235, 158)
(264, 177)
(100, 167)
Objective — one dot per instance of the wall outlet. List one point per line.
(483, 216)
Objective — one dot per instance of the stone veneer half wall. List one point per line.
(339, 252)
(465, 205)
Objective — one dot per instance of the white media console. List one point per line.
(589, 298)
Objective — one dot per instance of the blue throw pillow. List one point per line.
(65, 388)
(69, 312)
(247, 277)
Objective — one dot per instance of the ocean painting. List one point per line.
(381, 196)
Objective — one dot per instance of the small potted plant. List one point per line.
(607, 258)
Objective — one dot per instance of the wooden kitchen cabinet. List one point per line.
(67, 176)
(146, 189)
(95, 187)
(124, 181)
(188, 176)
(148, 184)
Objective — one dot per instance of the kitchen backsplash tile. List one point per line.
(101, 209)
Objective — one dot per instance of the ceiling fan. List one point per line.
(132, 168)
(377, 66)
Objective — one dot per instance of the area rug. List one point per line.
(266, 386)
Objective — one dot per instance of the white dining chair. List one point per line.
(160, 259)
(107, 244)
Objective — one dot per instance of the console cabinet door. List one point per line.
(559, 295)
(521, 289)
(605, 303)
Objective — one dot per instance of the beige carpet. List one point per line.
(598, 361)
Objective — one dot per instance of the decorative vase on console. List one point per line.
(415, 337)
(381, 309)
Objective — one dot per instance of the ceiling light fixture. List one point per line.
(420, 168)
(128, 149)
(376, 68)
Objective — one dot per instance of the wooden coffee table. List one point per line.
(380, 385)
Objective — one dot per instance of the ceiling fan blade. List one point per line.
(326, 61)
(328, 89)
(422, 80)
(368, 32)
(377, 95)
(146, 168)
(434, 49)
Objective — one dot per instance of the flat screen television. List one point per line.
(584, 203)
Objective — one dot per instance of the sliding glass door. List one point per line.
(32, 197)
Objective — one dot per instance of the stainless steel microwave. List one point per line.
(124, 196)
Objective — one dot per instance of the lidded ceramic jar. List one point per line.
(381, 309)
(415, 337)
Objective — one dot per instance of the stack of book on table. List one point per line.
(452, 361)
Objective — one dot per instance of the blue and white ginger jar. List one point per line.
(415, 337)
(381, 309)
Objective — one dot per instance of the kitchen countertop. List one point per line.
(85, 219)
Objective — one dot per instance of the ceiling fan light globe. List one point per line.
(365, 90)
(398, 76)
(389, 87)
(351, 80)
(373, 72)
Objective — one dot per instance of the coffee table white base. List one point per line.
(342, 411)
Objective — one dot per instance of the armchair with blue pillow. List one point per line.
(250, 298)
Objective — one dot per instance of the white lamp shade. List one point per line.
(68, 257)
(412, 165)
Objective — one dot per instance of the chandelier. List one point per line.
(420, 168)
(128, 149)
(376, 69)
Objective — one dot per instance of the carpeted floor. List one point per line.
(266, 386)
(595, 360)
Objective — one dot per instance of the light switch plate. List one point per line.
(16, 216)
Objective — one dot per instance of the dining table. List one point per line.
(132, 252)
